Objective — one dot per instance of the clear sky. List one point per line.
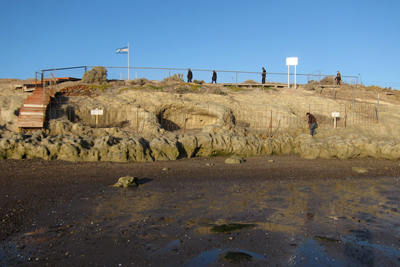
(358, 37)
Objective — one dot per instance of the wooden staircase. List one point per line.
(33, 112)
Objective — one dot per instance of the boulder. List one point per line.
(163, 149)
(234, 160)
(127, 181)
(38, 152)
(68, 152)
(359, 169)
(309, 151)
(139, 150)
(188, 146)
(90, 155)
(205, 144)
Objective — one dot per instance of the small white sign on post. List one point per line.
(292, 61)
(335, 115)
(96, 112)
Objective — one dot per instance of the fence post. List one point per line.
(184, 124)
(144, 115)
(137, 119)
(236, 79)
(270, 126)
(377, 113)
(86, 113)
(354, 98)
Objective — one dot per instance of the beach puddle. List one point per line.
(211, 256)
(344, 222)
(311, 254)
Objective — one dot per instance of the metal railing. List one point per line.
(168, 72)
(187, 119)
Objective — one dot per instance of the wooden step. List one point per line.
(35, 105)
(47, 91)
(33, 100)
(30, 121)
(32, 111)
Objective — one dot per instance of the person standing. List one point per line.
(338, 78)
(214, 77)
(264, 74)
(312, 123)
(189, 76)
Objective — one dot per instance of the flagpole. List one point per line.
(128, 61)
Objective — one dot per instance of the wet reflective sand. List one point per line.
(167, 220)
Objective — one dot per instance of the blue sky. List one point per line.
(358, 38)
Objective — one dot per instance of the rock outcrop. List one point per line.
(208, 124)
(126, 147)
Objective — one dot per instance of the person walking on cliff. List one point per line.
(338, 78)
(312, 123)
(214, 77)
(189, 76)
(264, 74)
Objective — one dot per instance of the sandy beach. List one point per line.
(296, 211)
(277, 208)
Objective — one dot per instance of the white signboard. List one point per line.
(96, 112)
(292, 61)
(335, 114)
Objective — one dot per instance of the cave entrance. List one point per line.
(185, 119)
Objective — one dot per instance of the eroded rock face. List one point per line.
(126, 147)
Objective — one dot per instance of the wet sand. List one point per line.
(299, 212)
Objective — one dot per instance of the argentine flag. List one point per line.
(123, 50)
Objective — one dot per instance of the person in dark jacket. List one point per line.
(264, 74)
(312, 123)
(214, 77)
(189, 76)
(338, 78)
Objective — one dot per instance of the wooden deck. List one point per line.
(30, 87)
(33, 111)
(251, 85)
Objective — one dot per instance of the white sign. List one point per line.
(335, 114)
(96, 112)
(292, 61)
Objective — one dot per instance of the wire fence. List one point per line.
(189, 118)
(224, 76)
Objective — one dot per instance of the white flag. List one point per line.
(123, 50)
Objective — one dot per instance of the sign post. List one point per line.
(292, 61)
(96, 112)
(335, 115)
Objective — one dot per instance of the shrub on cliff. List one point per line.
(327, 80)
(174, 78)
(96, 75)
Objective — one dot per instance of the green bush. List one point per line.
(235, 88)
(198, 82)
(101, 87)
(182, 90)
(218, 91)
(157, 88)
(309, 86)
(250, 81)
